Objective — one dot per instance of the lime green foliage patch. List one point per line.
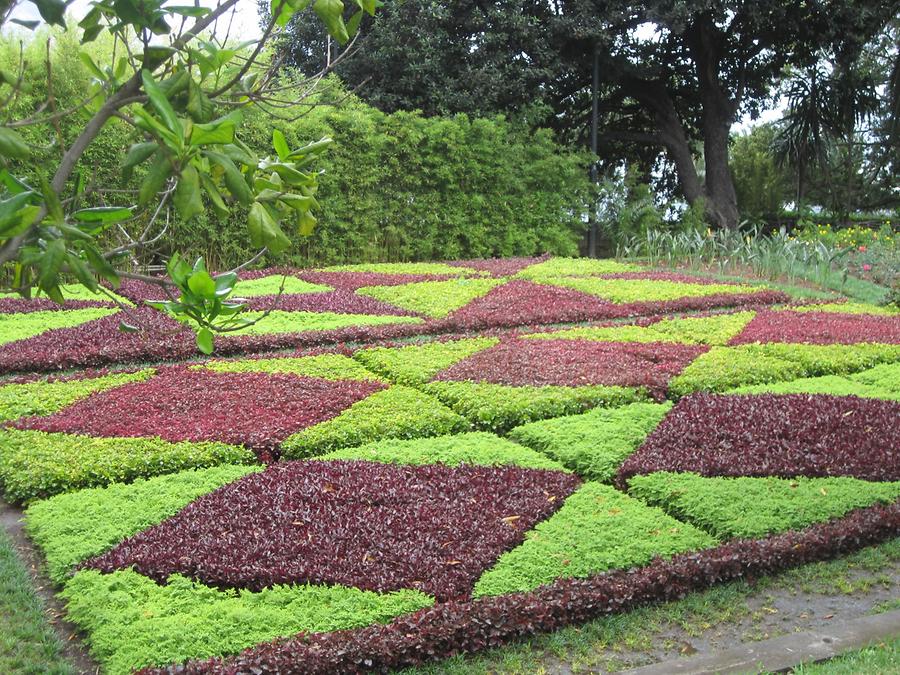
(417, 364)
(708, 330)
(405, 268)
(45, 398)
(272, 285)
(78, 292)
(35, 464)
(131, 621)
(398, 412)
(834, 385)
(432, 298)
(847, 308)
(73, 527)
(724, 368)
(477, 448)
(885, 376)
(643, 290)
(280, 321)
(574, 267)
(756, 507)
(498, 407)
(21, 326)
(324, 366)
(597, 529)
(596, 443)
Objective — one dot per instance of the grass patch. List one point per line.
(417, 364)
(499, 407)
(45, 398)
(595, 443)
(435, 299)
(27, 643)
(597, 529)
(475, 448)
(71, 528)
(15, 327)
(757, 507)
(397, 412)
(35, 464)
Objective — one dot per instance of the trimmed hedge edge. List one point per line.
(460, 627)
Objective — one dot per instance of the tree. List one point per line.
(182, 94)
(672, 74)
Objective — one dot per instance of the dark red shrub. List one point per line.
(350, 281)
(575, 363)
(499, 267)
(820, 328)
(785, 435)
(374, 526)
(453, 628)
(339, 302)
(258, 410)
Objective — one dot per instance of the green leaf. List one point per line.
(50, 264)
(187, 10)
(51, 202)
(205, 340)
(187, 194)
(264, 230)
(155, 179)
(103, 214)
(234, 179)
(311, 148)
(101, 265)
(137, 154)
(306, 223)
(30, 25)
(215, 198)
(52, 11)
(154, 56)
(202, 284)
(217, 132)
(161, 104)
(280, 144)
(86, 59)
(353, 23)
(82, 273)
(13, 145)
(225, 284)
(331, 12)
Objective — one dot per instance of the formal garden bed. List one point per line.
(456, 455)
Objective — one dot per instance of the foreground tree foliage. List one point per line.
(673, 76)
(182, 93)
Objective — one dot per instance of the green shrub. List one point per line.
(271, 285)
(417, 364)
(847, 308)
(131, 621)
(436, 299)
(324, 366)
(885, 376)
(597, 529)
(78, 292)
(595, 443)
(833, 385)
(21, 326)
(280, 321)
(574, 267)
(756, 507)
(724, 368)
(35, 464)
(477, 448)
(398, 412)
(643, 290)
(406, 268)
(73, 527)
(498, 407)
(45, 398)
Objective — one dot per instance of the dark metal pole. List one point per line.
(595, 85)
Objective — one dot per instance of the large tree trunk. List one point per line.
(721, 199)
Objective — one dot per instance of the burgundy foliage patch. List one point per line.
(575, 363)
(499, 267)
(774, 435)
(23, 306)
(339, 302)
(459, 627)
(374, 526)
(521, 302)
(820, 328)
(258, 410)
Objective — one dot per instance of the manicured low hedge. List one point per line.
(475, 448)
(45, 397)
(324, 366)
(597, 529)
(132, 622)
(279, 321)
(34, 464)
(436, 299)
(574, 267)
(15, 327)
(73, 527)
(623, 291)
(397, 412)
(498, 407)
(416, 364)
(273, 284)
(406, 268)
(595, 443)
(756, 507)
